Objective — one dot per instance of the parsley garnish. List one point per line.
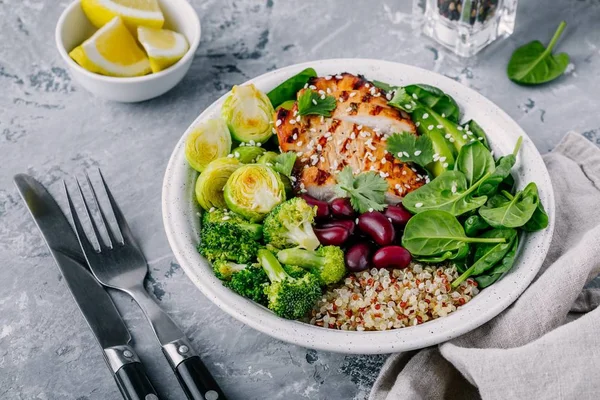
(284, 163)
(410, 148)
(366, 190)
(310, 102)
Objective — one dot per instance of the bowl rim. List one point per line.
(353, 342)
(189, 10)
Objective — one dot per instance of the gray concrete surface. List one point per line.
(51, 128)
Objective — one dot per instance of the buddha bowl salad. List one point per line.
(353, 204)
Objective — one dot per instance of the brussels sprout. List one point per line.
(253, 190)
(210, 183)
(249, 114)
(268, 158)
(248, 154)
(207, 142)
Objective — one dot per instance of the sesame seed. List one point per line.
(328, 91)
(383, 161)
(403, 172)
(453, 188)
(418, 152)
(445, 165)
(397, 186)
(371, 209)
(305, 85)
(212, 209)
(408, 106)
(328, 77)
(406, 154)
(443, 115)
(442, 159)
(341, 99)
(367, 85)
(293, 178)
(322, 97)
(356, 220)
(440, 126)
(425, 116)
(460, 128)
(295, 112)
(353, 136)
(313, 87)
(278, 122)
(451, 140)
(481, 139)
(300, 143)
(419, 205)
(292, 121)
(299, 154)
(414, 96)
(322, 159)
(349, 109)
(348, 146)
(388, 96)
(417, 124)
(447, 136)
(406, 185)
(259, 144)
(338, 77)
(430, 127)
(229, 155)
(359, 127)
(314, 102)
(295, 136)
(319, 147)
(465, 137)
(469, 133)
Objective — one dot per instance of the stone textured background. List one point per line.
(54, 130)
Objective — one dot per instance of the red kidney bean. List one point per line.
(378, 227)
(391, 257)
(347, 224)
(357, 257)
(341, 208)
(322, 206)
(398, 214)
(333, 236)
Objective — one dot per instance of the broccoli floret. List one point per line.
(290, 225)
(250, 282)
(227, 217)
(225, 269)
(288, 297)
(327, 263)
(222, 240)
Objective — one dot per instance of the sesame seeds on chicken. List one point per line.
(355, 135)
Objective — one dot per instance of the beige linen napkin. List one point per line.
(547, 344)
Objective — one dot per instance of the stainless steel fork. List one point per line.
(120, 264)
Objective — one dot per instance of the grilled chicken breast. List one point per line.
(354, 136)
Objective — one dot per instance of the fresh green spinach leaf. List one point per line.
(434, 233)
(514, 212)
(311, 102)
(474, 225)
(500, 269)
(448, 192)
(288, 89)
(475, 161)
(533, 63)
(476, 132)
(503, 167)
(410, 148)
(539, 220)
(488, 254)
(436, 100)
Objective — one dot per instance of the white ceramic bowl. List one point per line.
(182, 224)
(73, 28)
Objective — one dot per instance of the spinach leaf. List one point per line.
(383, 86)
(538, 221)
(474, 160)
(501, 268)
(488, 255)
(503, 166)
(472, 128)
(448, 192)
(287, 89)
(533, 64)
(410, 148)
(474, 225)
(514, 212)
(459, 254)
(436, 100)
(434, 233)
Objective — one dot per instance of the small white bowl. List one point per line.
(73, 28)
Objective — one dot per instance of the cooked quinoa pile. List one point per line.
(380, 299)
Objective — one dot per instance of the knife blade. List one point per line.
(92, 299)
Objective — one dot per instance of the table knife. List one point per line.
(94, 302)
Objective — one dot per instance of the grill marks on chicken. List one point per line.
(354, 136)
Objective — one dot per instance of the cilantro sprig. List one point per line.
(410, 148)
(310, 102)
(366, 190)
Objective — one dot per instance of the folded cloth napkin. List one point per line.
(547, 344)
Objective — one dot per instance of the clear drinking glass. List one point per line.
(466, 26)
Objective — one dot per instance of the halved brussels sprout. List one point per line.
(268, 158)
(253, 191)
(248, 154)
(207, 142)
(249, 114)
(210, 183)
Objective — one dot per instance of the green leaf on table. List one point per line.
(312, 103)
(411, 148)
(533, 63)
(366, 190)
(288, 89)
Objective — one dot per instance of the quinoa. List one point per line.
(382, 299)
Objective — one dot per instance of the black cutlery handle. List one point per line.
(196, 380)
(134, 384)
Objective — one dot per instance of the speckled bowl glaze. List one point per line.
(180, 215)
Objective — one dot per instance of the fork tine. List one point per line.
(99, 239)
(81, 235)
(121, 221)
(112, 238)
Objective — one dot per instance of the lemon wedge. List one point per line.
(134, 12)
(112, 51)
(164, 47)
